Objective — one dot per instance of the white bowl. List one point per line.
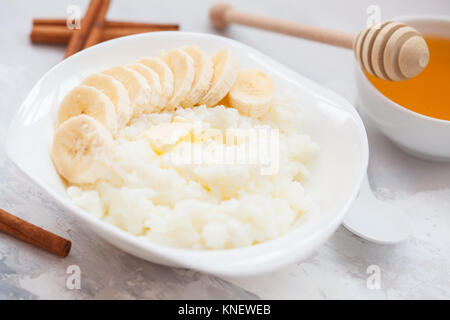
(331, 121)
(417, 134)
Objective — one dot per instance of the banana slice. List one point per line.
(226, 69)
(152, 80)
(252, 93)
(138, 89)
(165, 77)
(203, 75)
(116, 92)
(183, 69)
(90, 101)
(81, 150)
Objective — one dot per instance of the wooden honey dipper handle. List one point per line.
(222, 15)
(393, 51)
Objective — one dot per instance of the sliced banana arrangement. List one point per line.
(116, 92)
(138, 88)
(89, 101)
(226, 69)
(183, 69)
(202, 78)
(153, 81)
(82, 148)
(252, 93)
(165, 77)
(91, 115)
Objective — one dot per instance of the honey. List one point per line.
(429, 92)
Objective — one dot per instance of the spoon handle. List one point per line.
(222, 15)
(375, 220)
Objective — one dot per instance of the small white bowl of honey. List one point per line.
(415, 113)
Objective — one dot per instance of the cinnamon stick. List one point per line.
(96, 33)
(129, 24)
(35, 235)
(109, 24)
(49, 22)
(79, 37)
(112, 33)
(48, 34)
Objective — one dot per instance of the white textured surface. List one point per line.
(418, 268)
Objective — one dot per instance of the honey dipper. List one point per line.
(393, 51)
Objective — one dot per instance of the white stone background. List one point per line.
(417, 268)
